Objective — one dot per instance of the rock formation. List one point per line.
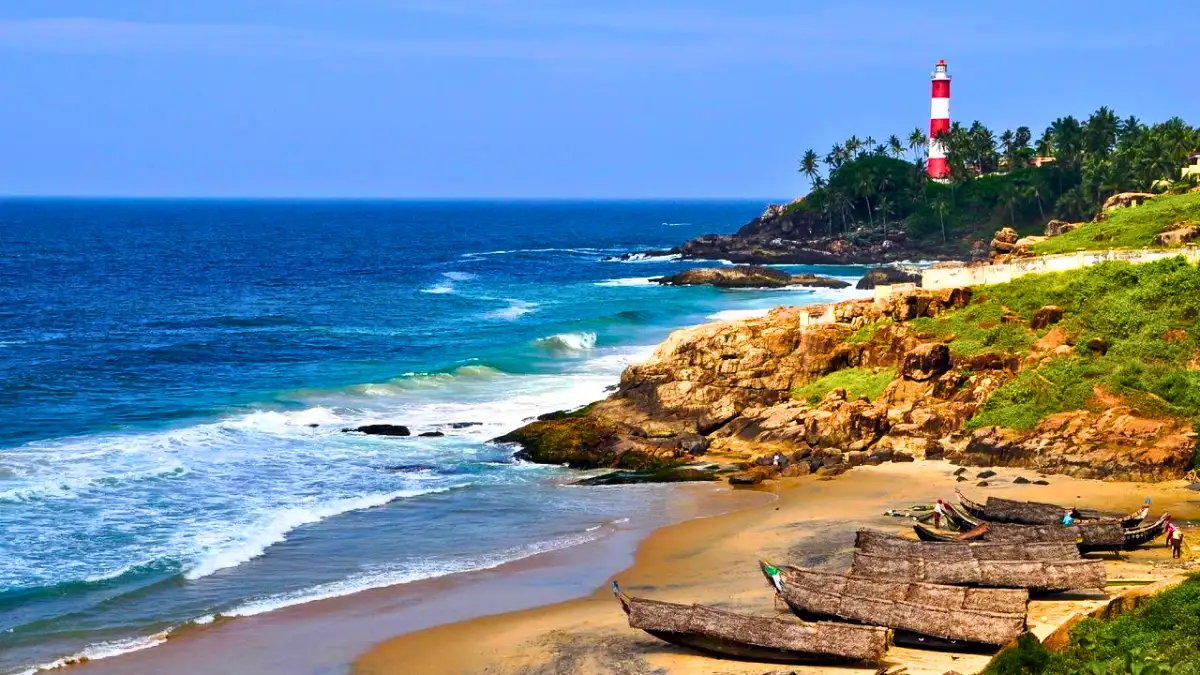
(881, 276)
(748, 276)
(1125, 199)
(1004, 241)
(1179, 235)
(724, 391)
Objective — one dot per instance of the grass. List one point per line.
(1128, 227)
(867, 333)
(978, 328)
(856, 381)
(1162, 637)
(1148, 315)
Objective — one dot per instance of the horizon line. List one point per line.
(361, 198)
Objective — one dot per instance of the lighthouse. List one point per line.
(939, 122)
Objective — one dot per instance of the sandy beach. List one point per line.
(713, 561)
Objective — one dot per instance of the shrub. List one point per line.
(856, 381)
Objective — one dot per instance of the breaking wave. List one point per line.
(568, 342)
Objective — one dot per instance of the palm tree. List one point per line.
(942, 207)
(870, 144)
(835, 158)
(1008, 145)
(884, 207)
(917, 139)
(853, 146)
(895, 146)
(809, 166)
(866, 187)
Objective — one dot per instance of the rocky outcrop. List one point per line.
(1125, 199)
(723, 391)
(884, 276)
(1045, 317)
(792, 234)
(748, 276)
(1178, 236)
(1117, 443)
(1057, 227)
(1004, 241)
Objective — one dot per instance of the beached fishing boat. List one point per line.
(1088, 536)
(1037, 566)
(1000, 510)
(754, 638)
(927, 616)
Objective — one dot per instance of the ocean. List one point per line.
(175, 376)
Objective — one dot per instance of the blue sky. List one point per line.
(537, 98)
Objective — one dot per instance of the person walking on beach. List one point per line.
(1175, 539)
(939, 510)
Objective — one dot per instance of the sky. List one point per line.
(539, 98)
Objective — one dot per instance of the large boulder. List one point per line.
(882, 276)
(1125, 199)
(1057, 227)
(747, 276)
(1044, 317)
(1178, 236)
(925, 362)
(1004, 241)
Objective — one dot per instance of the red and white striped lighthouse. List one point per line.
(939, 122)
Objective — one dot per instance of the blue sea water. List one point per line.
(175, 375)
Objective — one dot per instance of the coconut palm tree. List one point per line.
(917, 139)
(1008, 147)
(884, 207)
(853, 146)
(942, 207)
(835, 158)
(809, 166)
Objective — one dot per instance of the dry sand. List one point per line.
(714, 561)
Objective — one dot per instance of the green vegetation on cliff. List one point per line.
(1126, 331)
(868, 192)
(1128, 227)
(1160, 638)
(1136, 334)
(869, 382)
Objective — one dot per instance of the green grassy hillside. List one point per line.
(1129, 227)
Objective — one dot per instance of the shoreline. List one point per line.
(324, 636)
(713, 561)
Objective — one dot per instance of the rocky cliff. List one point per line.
(728, 390)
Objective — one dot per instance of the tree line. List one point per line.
(866, 186)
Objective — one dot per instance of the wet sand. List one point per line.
(714, 561)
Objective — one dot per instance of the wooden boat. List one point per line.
(1088, 536)
(1037, 566)
(754, 638)
(1000, 510)
(1140, 536)
(926, 616)
(959, 518)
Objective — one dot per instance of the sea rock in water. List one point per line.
(380, 430)
(464, 425)
(746, 276)
(431, 434)
(883, 276)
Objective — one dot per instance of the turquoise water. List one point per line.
(174, 376)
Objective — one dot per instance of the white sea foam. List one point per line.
(568, 342)
(572, 251)
(102, 650)
(515, 310)
(441, 288)
(428, 570)
(458, 276)
(255, 539)
(643, 258)
(635, 281)
(739, 314)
